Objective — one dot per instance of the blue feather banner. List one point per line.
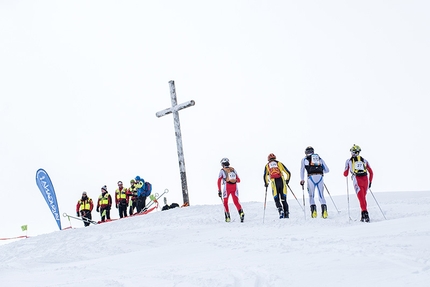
(47, 189)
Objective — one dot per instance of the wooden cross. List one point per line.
(174, 110)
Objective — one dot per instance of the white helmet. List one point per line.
(225, 162)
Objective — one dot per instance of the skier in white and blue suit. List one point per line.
(315, 168)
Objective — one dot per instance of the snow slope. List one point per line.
(193, 246)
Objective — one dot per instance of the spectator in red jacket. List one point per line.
(104, 204)
(84, 207)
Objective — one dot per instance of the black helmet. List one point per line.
(309, 150)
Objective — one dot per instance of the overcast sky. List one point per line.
(81, 81)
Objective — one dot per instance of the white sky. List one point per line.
(194, 247)
(80, 83)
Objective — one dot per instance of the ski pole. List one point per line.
(303, 191)
(331, 198)
(265, 198)
(347, 192)
(377, 204)
(295, 198)
(225, 211)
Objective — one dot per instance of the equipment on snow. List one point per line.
(83, 219)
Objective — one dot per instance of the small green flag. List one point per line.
(24, 227)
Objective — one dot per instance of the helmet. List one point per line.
(84, 193)
(271, 156)
(137, 178)
(119, 182)
(104, 188)
(132, 181)
(309, 150)
(225, 162)
(355, 149)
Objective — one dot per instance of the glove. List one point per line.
(370, 184)
(219, 193)
(77, 214)
(116, 205)
(98, 210)
(302, 182)
(266, 185)
(287, 181)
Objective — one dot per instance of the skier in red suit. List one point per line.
(229, 178)
(362, 176)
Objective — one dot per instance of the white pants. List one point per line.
(316, 181)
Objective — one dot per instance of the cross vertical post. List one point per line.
(175, 111)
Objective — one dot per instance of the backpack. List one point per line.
(315, 164)
(274, 170)
(230, 174)
(147, 187)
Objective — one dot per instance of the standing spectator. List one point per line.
(359, 169)
(229, 178)
(104, 204)
(84, 207)
(141, 198)
(132, 195)
(279, 176)
(121, 200)
(315, 168)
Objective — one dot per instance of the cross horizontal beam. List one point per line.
(175, 108)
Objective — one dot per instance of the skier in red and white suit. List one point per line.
(228, 179)
(362, 176)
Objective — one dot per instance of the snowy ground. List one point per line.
(194, 247)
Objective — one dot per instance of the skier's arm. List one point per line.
(266, 173)
(302, 170)
(345, 172)
(285, 170)
(324, 166)
(369, 169)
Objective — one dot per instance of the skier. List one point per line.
(279, 176)
(359, 169)
(229, 178)
(121, 200)
(84, 207)
(132, 196)
(315, 168)
(141, 197)
(104, 204)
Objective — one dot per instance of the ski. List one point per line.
(154, 199)
(83, 219)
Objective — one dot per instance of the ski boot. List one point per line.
(365, 216)
(286, 211)
(313, 211)
(281, 213)
(324, 211)
(227, 217)
(242, 215)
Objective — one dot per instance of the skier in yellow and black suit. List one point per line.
(274, 172)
